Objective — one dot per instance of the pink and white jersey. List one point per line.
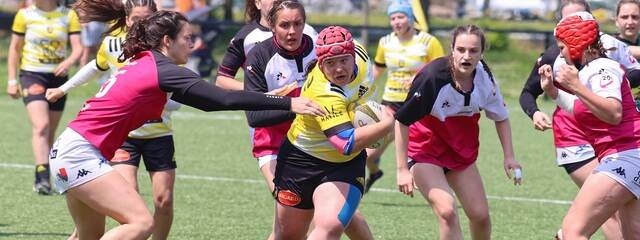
(126, 101)
(443, 120)
(138, 92)
(606, 78)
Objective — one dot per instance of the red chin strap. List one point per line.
(334, 41)
(577, 31)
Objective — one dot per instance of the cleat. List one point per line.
(372, 179)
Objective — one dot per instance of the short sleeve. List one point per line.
(496, 108)
(19, 23)
(74, 22)
(379, 59)
(101, 58)
(434, 50)
(606, 83)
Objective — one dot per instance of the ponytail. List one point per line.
(147, 34)
(109, 11)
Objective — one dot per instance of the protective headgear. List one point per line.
(401, 6)
(334, 41)
(577, 31)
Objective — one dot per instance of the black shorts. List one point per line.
(298, 174)
(393, 105)
(34, 86)
(411, 163)
(572, 167)
(157, 153)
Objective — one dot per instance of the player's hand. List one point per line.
(53, 94)
(62, 69)
(568, 78)
(546, 77)
(512, 165)
(13, 90)
(541, 121)
(405, 182)
(301, 105)
(284, 90)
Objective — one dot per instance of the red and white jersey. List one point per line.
(443, 120)
(606, 78)
(126, 101)
(566, 132)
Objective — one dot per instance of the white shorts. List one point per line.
(74, 161)
(266, 159)
(624, 167)
(573, 154)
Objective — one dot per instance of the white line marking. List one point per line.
(384, 190)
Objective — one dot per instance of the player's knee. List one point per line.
(480, 217)
(447, 213)
(163, 202)
(41, 129)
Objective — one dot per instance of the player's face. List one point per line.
(466, 52)
(264, 6)
(628, 19)
(288, 29)
(571, 8)
(179, 48)
(338, 69)
(399, 23)
(137, 14)
(564, 51)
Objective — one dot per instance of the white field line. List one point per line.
(384, 190)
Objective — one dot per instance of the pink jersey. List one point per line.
(126, 101)
(566, 132)
(606, 78)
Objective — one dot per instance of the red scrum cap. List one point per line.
(334, 41)
(577, 31)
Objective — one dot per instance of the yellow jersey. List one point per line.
(46, 36)
(307, 132)
(403, 60)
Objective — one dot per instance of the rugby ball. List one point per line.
(367, 113)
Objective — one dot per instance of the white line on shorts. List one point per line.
(384, 190)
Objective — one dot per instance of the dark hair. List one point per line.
(279, 5)
(471, 30)
(596, 48)
(251, 12)
(565, 3)
(147, 33)
(110, 11)
(622, 2)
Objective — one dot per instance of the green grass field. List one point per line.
(220, 193)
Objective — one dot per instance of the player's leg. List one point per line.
(469, 189)
(158, 155)
(432, 183)
(335, 203)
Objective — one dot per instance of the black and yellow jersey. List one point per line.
(46, 36)
(403, 59)
(307, 133)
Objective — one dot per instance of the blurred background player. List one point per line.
(41, 35)
(402, 52)
(628, 23)
(438, 152)
(256, 30)
(321, 164)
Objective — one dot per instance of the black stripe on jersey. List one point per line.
(110, 45)
(18, 33)
(362, 53)
(337, 89)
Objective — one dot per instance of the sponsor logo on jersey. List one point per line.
(362, 90)
(331, 113)
(53, 154)
(62, 174)
(445, 104)
(288, 198)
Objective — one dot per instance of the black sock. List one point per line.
(42, 172)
